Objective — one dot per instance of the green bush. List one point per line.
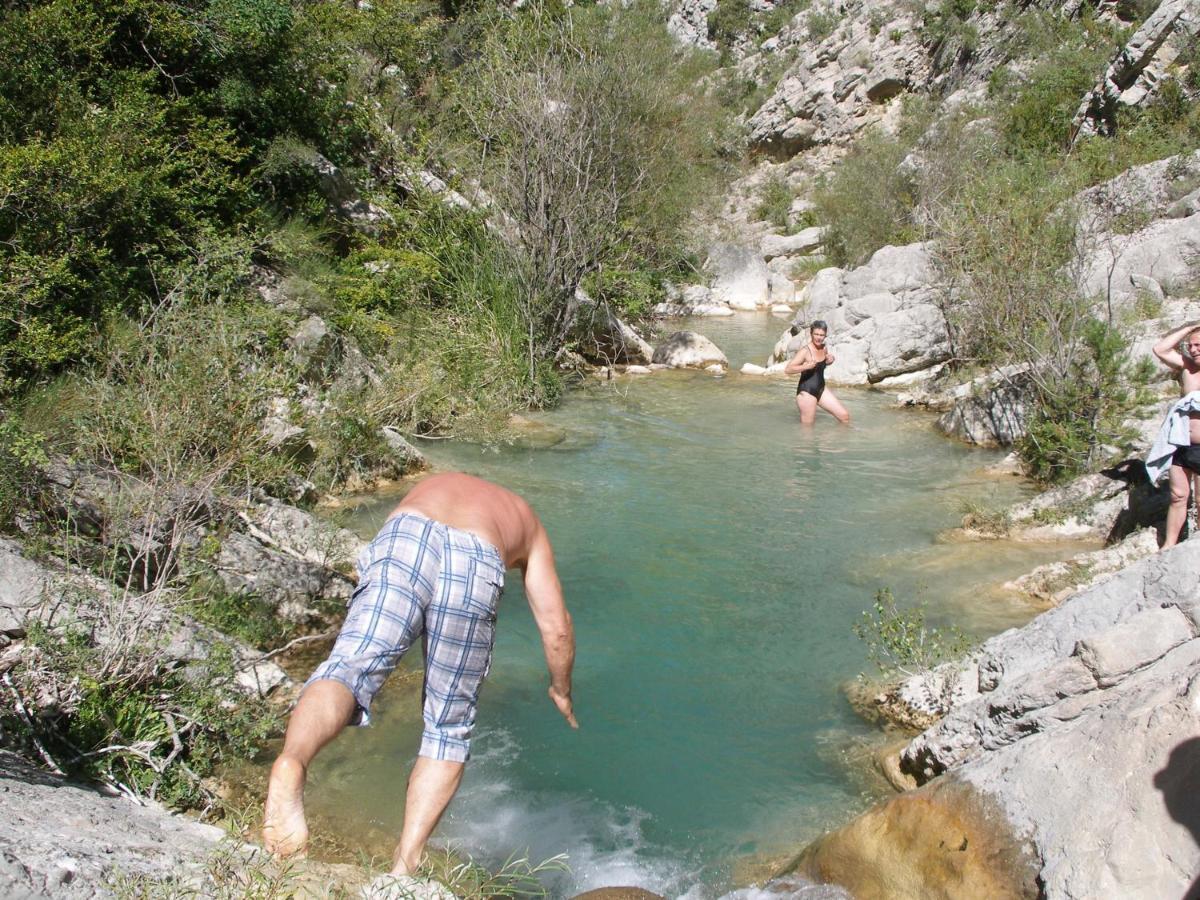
(730, 21)
(868, 201)
(155, 733)
(1080, 417)
(775, 201)
(822, 23)
(1037, 119)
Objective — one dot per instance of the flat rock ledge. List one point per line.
(1066, 767)
(67, 840)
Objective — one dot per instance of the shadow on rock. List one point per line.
(1178, 783)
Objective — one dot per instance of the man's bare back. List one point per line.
(471, 504)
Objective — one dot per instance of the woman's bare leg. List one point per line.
(807, 404)
(831, 404)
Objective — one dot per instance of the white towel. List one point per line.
(1174, 433)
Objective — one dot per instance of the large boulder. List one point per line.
(689, 350)
(740, 276)
(883, 317)
(601, 336)
(990, 411)
(803, 242)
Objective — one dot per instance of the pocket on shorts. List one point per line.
(484, 588)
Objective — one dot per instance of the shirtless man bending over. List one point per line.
(1185, 465)
(435, 570)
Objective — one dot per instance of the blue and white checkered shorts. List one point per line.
(420, 578)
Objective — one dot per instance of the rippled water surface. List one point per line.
(715, 554)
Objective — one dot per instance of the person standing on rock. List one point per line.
(810, 363)
(434, 572)
(1179, 438)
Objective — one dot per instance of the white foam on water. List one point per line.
(605, 845)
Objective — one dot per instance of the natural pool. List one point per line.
(715, 555)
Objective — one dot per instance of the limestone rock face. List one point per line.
(882, 317)
(689, 23)
(23, 584)
(689, 350)
(1134, 73)
(1080, 729)
(806, 241)
(293, 584)
(739, 276)
(840, 82)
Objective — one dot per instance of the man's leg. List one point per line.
(324, 709)
(431, 787)
(1176, 513)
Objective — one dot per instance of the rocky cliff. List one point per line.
(1066, 766)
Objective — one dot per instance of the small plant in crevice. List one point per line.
(900, 642)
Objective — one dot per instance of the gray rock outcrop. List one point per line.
(689, 23)
(1070, 753)
(67, 840)
(883, 317)
(840, 81)
(990, 411)
(740, 276)
(1138, 67)
(689, 350)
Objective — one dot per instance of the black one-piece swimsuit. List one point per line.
(813, 382)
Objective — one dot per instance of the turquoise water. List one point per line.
(715, 554)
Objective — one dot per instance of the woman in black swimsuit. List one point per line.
(810, 363)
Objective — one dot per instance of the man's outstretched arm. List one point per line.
(545, 595)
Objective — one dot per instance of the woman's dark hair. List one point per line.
(818, 323)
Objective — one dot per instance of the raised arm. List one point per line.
(801, 362)
(1167, 349)
(545, 595)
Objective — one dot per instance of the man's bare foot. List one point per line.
(402, 866)
(285, 832)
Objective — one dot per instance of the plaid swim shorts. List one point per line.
(420, 578)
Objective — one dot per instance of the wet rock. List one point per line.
(408, 458)
(945, 841)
